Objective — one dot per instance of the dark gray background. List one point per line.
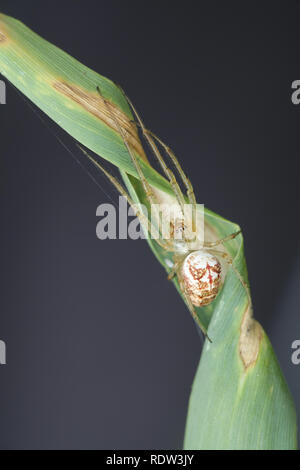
(99, 360)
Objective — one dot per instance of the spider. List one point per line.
(199, 271)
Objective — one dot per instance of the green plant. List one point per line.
(239, 398)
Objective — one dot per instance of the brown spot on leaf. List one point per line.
(251, 334)
(106, 111)
(3, 33)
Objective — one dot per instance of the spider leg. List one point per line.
(229, 260)
(173, 272)
(146, 186)
(191, 306)
(222, 240)
(168, 172)
(141, 216)
(184, 178)
(171, 275)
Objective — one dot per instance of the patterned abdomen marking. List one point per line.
(201, 273)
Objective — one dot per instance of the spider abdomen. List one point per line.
(201, 274)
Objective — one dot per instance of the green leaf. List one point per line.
(67, 92)
(239, 399)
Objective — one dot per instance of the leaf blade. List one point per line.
(231, 404)
(66, 91)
